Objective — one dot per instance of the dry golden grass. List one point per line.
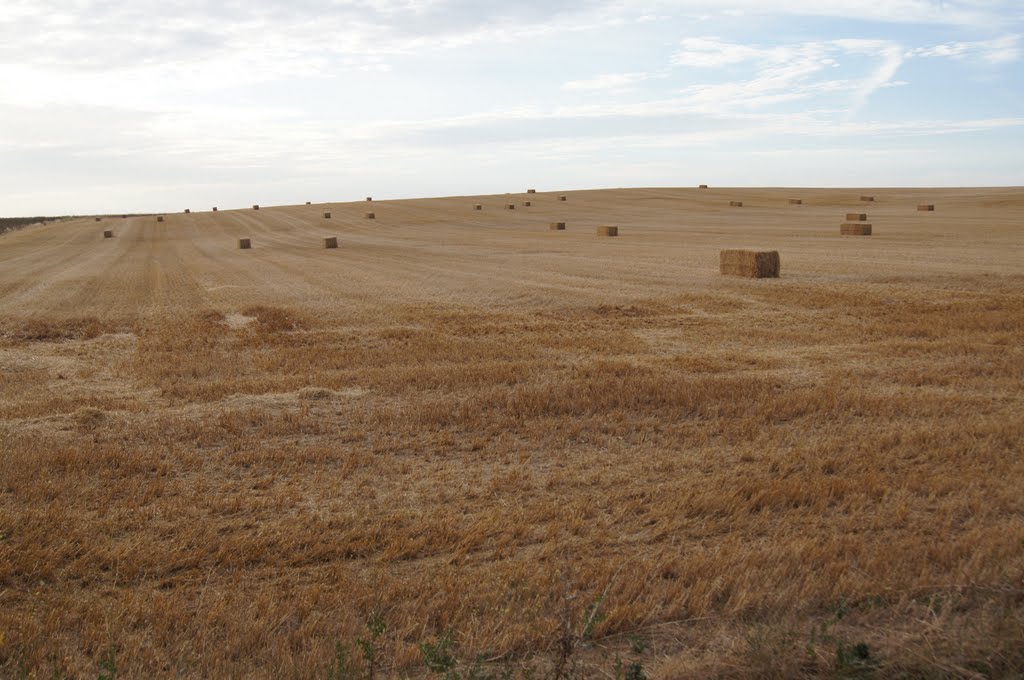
(221, 466)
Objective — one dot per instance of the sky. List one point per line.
(112, 106)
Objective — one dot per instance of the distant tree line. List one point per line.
(12, 223)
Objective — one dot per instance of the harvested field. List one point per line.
(216, 464)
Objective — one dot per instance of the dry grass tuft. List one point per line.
(89, 418)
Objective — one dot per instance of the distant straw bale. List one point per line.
(255, 207)
(188, 210)
(159, 218)
(703, 186)
(214, 208)
(607, 231)
(327, 215)
(369, 198)
(557, 226)
(478, 207)
(856, 217)
(926, 207)
(855, 229)
(330, 241)
(97, 219)
(531, 191)
(754, 264)
(563, 198)
(510, 206)
(867, 198)
(108, 234)
(736, 204)
(244, 244)
(527, 204)
(309, 203)
(796, 201)
(370, 216)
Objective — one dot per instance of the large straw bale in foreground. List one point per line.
(754, 264)
(855, 229)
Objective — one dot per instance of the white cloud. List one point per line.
(1002, 50)
(606, 82)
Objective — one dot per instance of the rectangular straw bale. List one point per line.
(255, 207)
(607, 231)
(108, 234)
(867, 198)
(327, 215)
(527, 203)
(478, 206)
(557, 226)
(796, 201)
(160, 218)
(214, 208)
(244, 244)
(510, 206)
(188, 210)
(754, 264)
(531, 191)
(369, 198)
(330, 241)
(855, 229)
(926, 207)
(309, 203)
(856, 217)
(97, 219)
(371, 216)
(736, 204)
(562, 198)
(703, 186)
